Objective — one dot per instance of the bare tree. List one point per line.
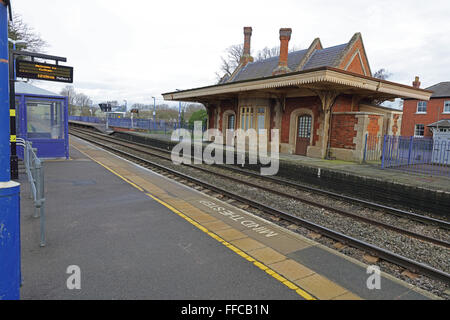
(382, 74)
(19, 30)
(267, 53)
(233, 57)
(82, 100)
(69, 92)
(230, 61)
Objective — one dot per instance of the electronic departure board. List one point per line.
(43, 71)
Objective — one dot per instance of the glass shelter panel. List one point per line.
(45, 119)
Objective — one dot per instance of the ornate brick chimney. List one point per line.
(416, 83)
(285, 36)
(246, 57)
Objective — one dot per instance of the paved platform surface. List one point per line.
(136, 234)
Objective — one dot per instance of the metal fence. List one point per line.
(373, 147)
(35, 174)
(417, 154)
(157, 126)
(87, 119)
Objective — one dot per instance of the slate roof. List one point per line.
(325, 57)
(441, 90)
(26, 88)
(444, 123)
(320, 58)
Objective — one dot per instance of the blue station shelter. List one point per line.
(42, 118)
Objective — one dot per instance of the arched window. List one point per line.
(304, 126)
(231, 122)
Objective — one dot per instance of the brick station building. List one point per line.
(321, 99)
(420, 118)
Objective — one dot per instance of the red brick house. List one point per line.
(420, 118)
(320, 99)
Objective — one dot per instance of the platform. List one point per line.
(98, 126)
(406, 190)
(138, 235)
(364, 170)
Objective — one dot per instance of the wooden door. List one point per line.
(303, 134)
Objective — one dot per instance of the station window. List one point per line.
(230, 122)
(261, 118)
(254, 118)
(422, 107)
(246, 118)
(419, 130)
(304, 126)
(44, 119)
(446, 106)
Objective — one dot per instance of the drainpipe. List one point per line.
(10, 276)
(330, 127)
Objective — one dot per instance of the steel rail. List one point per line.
(337, 236)
(390, 210)
(443, 243)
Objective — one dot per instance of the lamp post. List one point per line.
(179, 111)
(12, 102)
(154, 112)
(9, 190)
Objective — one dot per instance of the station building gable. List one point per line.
(322, 100)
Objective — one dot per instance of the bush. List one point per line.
(199, 115)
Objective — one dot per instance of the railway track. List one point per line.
(386, 209)
(112, 143)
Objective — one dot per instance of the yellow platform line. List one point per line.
(256, 263)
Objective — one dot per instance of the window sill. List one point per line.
(420, 113)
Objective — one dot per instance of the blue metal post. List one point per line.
(411, 140)
(365, 148)
(384, 152)
(9, 190)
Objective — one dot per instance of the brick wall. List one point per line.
(343, 131)
(312, 103)
(343, 104)
(225, 106)
(373, 127)
(435, 108)
(355, 64)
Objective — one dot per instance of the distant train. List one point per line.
(116, 115)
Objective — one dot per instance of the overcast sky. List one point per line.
(137, 49)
